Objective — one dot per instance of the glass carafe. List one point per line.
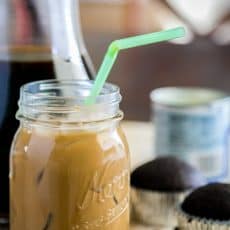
(29, 51)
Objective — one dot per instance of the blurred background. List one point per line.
(201, 59)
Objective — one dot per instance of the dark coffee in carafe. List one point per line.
(24, 64)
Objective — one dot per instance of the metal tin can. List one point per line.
(193, 124)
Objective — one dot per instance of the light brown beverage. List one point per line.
(69, 179)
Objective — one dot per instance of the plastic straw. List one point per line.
(126, 43)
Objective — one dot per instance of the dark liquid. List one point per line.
(13, 74)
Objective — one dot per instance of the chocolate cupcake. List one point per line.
(158, 186)
(207, 207)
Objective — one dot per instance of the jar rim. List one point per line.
(57, 98)
(109, 92)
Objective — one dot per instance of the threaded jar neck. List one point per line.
(63, 101)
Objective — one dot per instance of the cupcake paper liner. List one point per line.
(189, 222)
(156, 208)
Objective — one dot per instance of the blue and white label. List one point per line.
(196, 134)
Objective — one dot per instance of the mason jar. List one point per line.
(69, 166)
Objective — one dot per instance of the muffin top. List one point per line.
(166, 174)
(210, 202)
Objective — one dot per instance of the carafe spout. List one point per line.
(70, 56)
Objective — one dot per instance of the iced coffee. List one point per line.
(69, 176)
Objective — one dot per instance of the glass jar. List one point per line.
(69, 166)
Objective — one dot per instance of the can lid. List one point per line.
(186, 96)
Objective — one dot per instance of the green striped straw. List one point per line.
(126, 43)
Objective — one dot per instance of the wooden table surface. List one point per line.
(140, 136)
(140, 139)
